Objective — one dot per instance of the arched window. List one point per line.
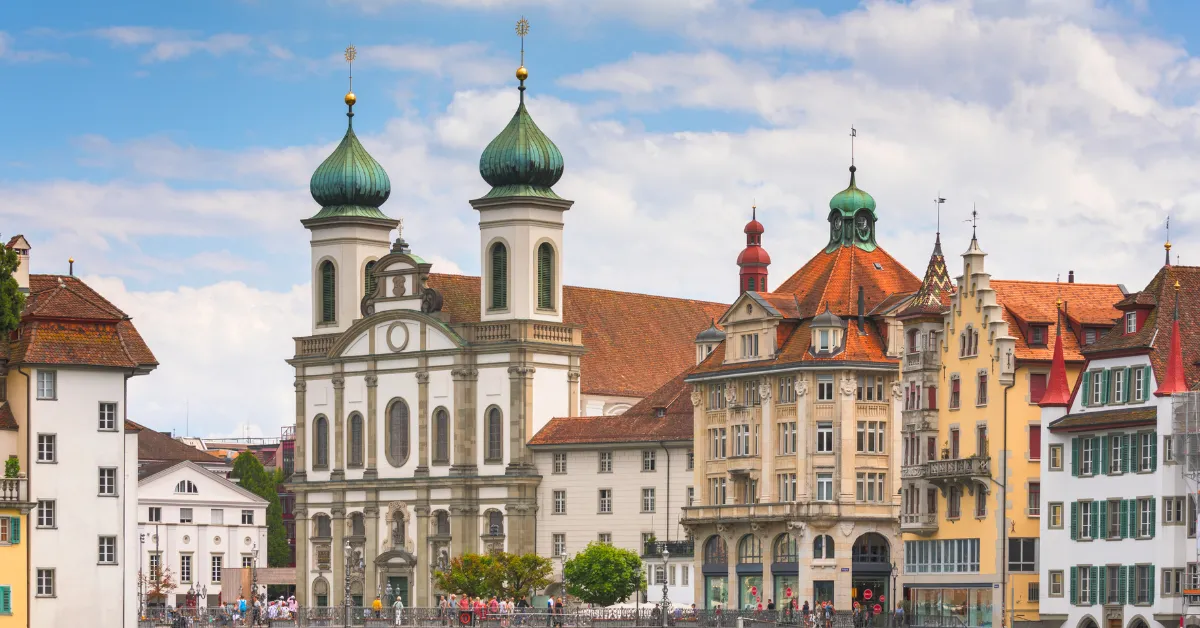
(441, 523)
(762, 284)
(328, 293)
(397, 433)
(321, 592)
(358, 524)
(186, 486)
(786, 549)
(495, 435)
(441, 435)
(369, 279)
(499, 278)
(321, 443)
(356, 440)
(495, 522)
(870, 548)
(715, 552)
(322, 527)
(545, 268)
(823, 546)
(749, 550)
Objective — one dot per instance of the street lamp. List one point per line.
(254, 572)
(666, 603)
(203, 593)
(894, 574)
(346, 599)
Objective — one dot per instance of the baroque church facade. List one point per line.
(417, 393)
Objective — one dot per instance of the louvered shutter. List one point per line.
(1100, 585)
(15, 530)
(1153, 514)
(1104, 455)
(499, 276)
(1124, 516)
(1074, 585)
(1128, 397)
(1102, 533)
(1125, 466)
(1154, 451)
(1122, 591)
(1074, 520)
(6, 600)
(1075, 456)
(1105, 385)
(545, 276)
(1095, 584)
(1146, 383)
(369, 279)
(1132, 580)
(1087, 388)
(328, 293)
(1150, 582)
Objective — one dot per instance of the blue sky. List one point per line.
(167, 146)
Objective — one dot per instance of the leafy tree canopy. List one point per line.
(12, 300)
(255, 478)
(469, 574)
(603, 574)
(497, 574)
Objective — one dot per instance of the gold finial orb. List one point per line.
(72, 260)
(522, 73)
(351, 98)
(1177, 285)
(1167, 245)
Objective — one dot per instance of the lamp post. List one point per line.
(254, 572)
(666, 603)
(893, 592)
(141, 577)
(203, 593)
(346, 598)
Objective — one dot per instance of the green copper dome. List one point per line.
(852, 199)
(521, 161)
(350, 182)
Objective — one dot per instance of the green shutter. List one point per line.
(1096, 456)
(1153, 514)
(1102, 533)
(6, 600)
(1074, 520)
(545, 276)
(1124, 515)
(15, 530)
(328, 293)
(1121, 584)
(1132, 583)
(1150, 585)
(1105, 385)
(369, 279)
(1100, 585)
(1125, 453)
(1104, 454)
(1087, 388)
(499, 276)
(1154, 451)
(1074, 585)
(1095, 583)
(1128, 385)
(1075, 456)
(1146, 384)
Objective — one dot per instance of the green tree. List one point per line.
(516, 575)
(12, 300)
(473, 575)
(254, 477)
(602, 574)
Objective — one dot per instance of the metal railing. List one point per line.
(681, 549)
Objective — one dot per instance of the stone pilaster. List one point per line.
(422, 424)
(303, 565)
(465, 425)
(464, 528)
(520, 399)
(766, 445)
(422, 573)
(804, 451)
(573, 390)
(371, 548)
(521, 519)
(845, 421)
(372, 425)
(337, 555)
(300, 463)
(339, 428)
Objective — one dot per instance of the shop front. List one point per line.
(961, 605)
(749, 573)
(715, 570)
(871, 574)
(785, 571)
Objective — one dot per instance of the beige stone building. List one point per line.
(796, 426)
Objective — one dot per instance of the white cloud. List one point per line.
(169, 44)
(658, 11)
(9, 53)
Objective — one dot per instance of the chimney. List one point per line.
(1070, 276)
(21, 246)
(862, 306)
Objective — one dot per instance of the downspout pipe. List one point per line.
(1004, 505)
(667, 519)
(28, 489)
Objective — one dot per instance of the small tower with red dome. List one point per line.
(753, 260)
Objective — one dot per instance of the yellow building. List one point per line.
(14, 519)
(977, 358)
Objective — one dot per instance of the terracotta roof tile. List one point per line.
(1026, 302)
(635, 342)
(1104, 419)
(834, 278)
(640, 423)
(867, 347)
(63, 296)
(158, 447)
(7, 420)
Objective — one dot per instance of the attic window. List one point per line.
(1130, 322)
(660, 412)
(1090, 335)
(878, 266)
(1037, 335)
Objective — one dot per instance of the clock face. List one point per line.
(862, 222)
(837, 223)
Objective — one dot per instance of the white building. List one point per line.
(194, 524)
(66, 381)
(1118, 519)
(621, 480)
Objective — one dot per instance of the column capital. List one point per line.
(423, 377)
(300, 385)
(339, 382)
(372, 380)
(520, 371)
(422, 510)
(465, 373)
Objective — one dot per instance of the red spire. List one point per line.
(1174, 381)
(753, 260)
(1058, 393)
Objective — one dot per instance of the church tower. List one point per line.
(521, 219)
(753, 260)
(350, 232)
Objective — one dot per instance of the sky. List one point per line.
(167, 147)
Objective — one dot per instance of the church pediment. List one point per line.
(396, 558)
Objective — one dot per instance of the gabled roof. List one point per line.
(158, 447)
(634, 342)
(1154, 337)
(866, 348)
(8, 422)
(67, 323)
(148, 474)
(640, 423)
(1105, 419)
(835, 278)
(1035, 302)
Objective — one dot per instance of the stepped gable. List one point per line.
(635, 342)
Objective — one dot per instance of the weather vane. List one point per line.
(853, 134)
(351, 54)
(937, 202)
(522, 73)
(974, 219)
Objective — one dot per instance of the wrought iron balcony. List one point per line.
(974, 467)
(920, 523)
(680, 549)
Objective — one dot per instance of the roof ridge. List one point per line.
(836, 258)
(1057, 283)
(608, 290)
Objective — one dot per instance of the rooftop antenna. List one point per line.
(522, 73)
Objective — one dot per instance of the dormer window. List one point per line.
(824, 344)
(1037, 335)
(827, 332)
(1090, 336)
(1130, 322)
(660, 412)
(750, 345)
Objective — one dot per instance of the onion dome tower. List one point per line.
(521, 218)
(852, 218)
(349, 232)
(753, 260)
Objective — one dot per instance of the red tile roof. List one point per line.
(640, 423)
(7, 420)
(67, 323)
(795, 340)
(1026, 302)
(635, 342)
(834, 278)
(158, 447)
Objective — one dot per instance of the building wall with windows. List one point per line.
(186, 516)
(14, 527)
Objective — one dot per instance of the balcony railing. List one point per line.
(520, 331)
(762, 511)
(921, 359)
(959, 468)
(920, 522)
(680, 549)
(14, 490)
(912, 471)
(308, 346)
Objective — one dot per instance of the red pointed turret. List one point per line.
(1058, 392)
(753, 260)
(1174, 381)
